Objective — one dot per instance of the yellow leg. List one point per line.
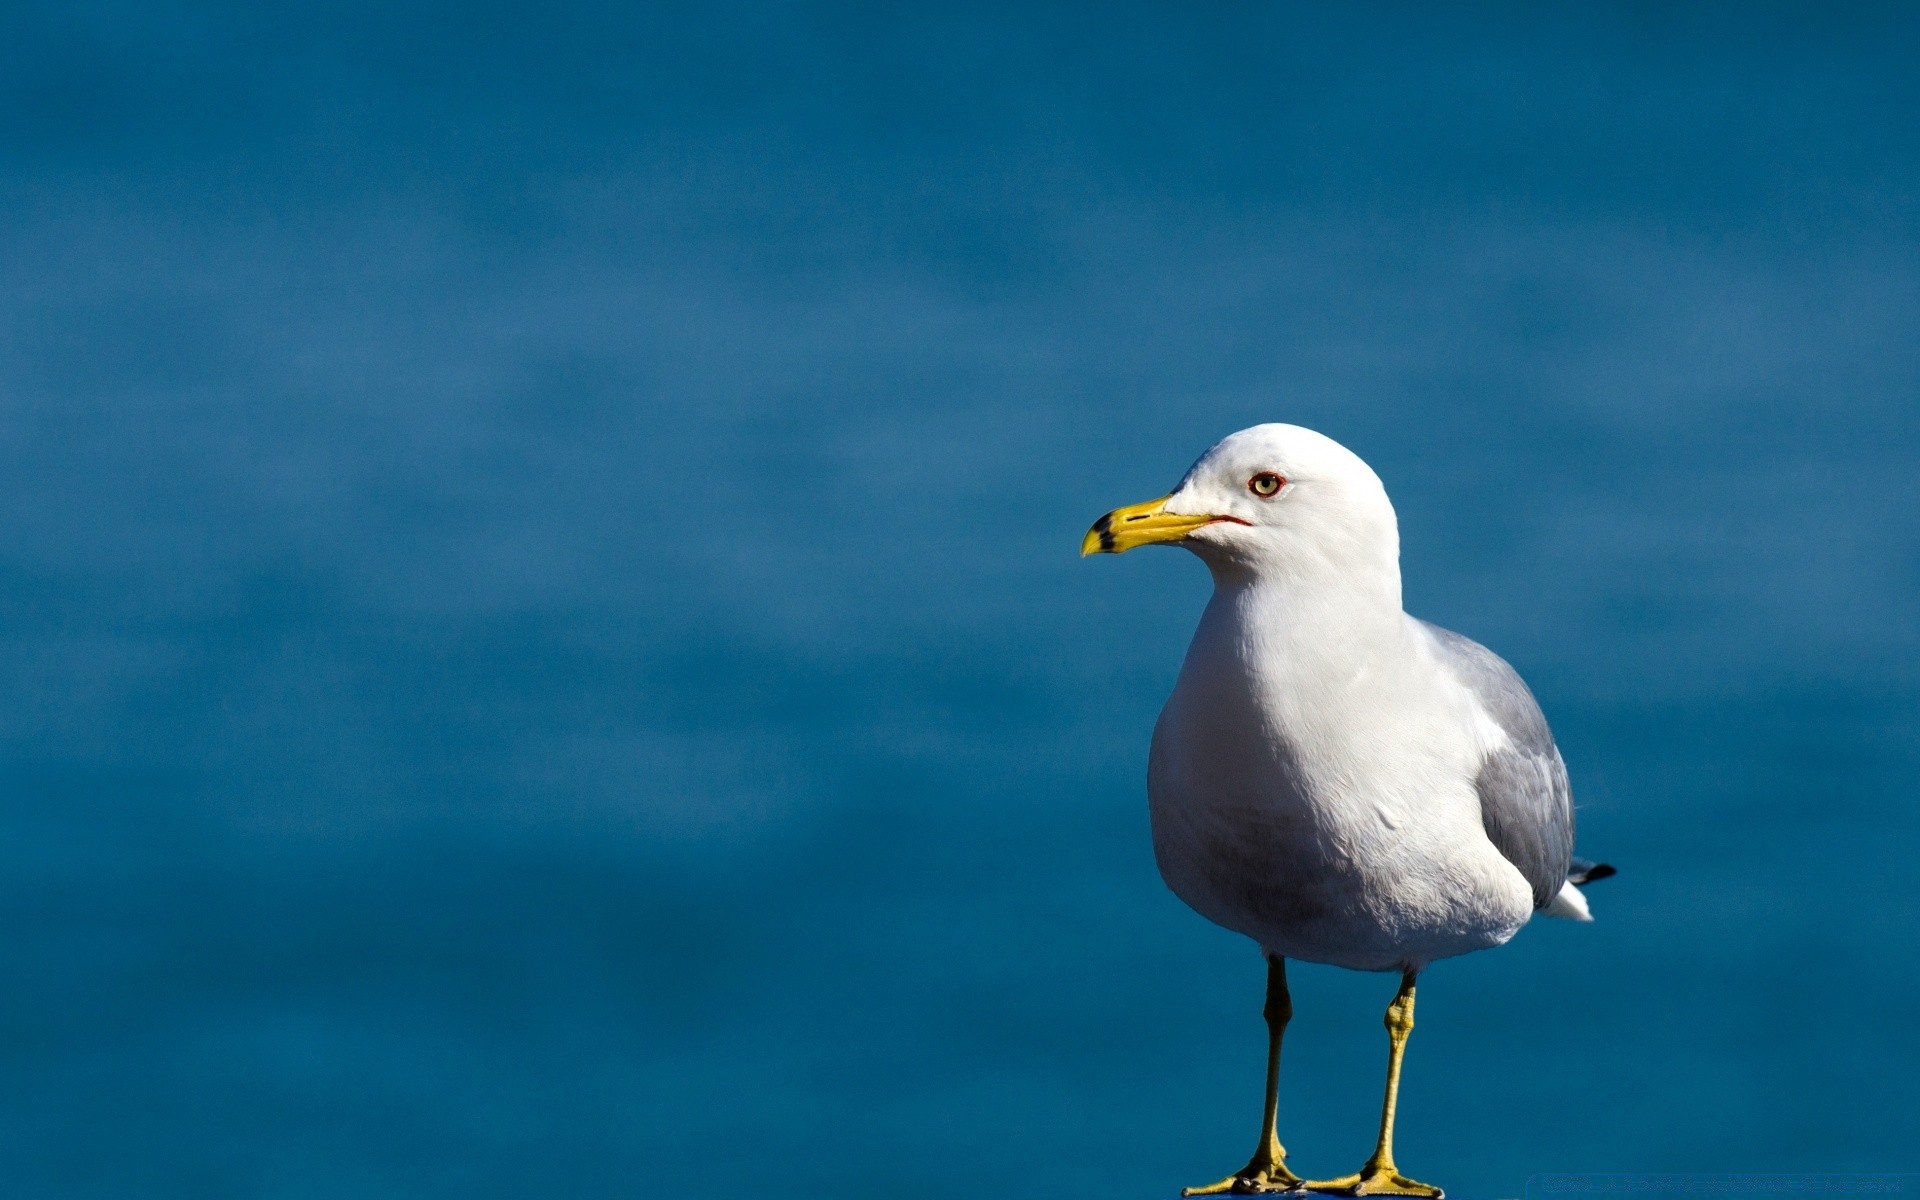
(1380, 1177)
(1267, 1170)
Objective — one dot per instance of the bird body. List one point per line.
(1315, 791)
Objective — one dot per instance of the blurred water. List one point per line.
(543, 647)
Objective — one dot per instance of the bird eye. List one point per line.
(1266, 484)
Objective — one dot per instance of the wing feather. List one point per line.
(1526, 803)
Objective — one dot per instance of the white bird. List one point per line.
(1331, 777)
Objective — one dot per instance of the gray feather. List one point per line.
(1526, 804)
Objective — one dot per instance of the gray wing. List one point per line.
(1526, 805)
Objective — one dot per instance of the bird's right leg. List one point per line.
(1380, 1177)
(1267, 1170)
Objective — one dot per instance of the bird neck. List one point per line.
(1325, 622)
(1314, 582)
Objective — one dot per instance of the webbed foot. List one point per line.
(1266, 1174)
(1376, 1180)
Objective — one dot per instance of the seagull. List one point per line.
(1339, 781)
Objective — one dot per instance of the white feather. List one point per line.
(1569, 905)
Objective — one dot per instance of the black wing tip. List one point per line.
(1584, 872)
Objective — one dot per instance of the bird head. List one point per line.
(1272, 500)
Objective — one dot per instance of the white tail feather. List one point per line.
(1569, 904)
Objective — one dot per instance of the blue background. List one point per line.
(543, 647)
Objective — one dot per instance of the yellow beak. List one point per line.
(1139, 525)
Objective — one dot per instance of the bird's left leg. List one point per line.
(1267, 1170)
(1380, 1177)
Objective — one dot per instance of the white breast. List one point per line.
(1311, 786)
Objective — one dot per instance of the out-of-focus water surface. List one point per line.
(543, 647)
